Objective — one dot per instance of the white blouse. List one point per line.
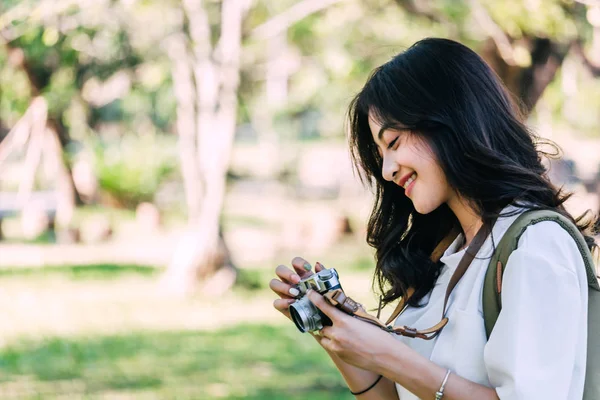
(537, 349)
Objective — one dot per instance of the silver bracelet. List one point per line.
(440, 393)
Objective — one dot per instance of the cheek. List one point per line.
(434, 189)
(440, 177)
(438, 182)
(427, 167)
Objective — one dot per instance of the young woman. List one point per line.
(436, 134)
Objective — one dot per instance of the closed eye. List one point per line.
(393, 142)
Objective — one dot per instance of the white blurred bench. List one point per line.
(11, 205)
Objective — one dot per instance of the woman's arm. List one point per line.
(424, 378)
(368, 348)
(359, 379)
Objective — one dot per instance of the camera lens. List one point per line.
(297, 319)
(305, 315)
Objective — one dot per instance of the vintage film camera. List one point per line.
(305, 315)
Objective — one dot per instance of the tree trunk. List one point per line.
(527, 84)
(184, 89)
(546, 59)
(210, 112)
(65, 189)
(206, 123)
(202, 255)
(68, 195)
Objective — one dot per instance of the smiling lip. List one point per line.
(406, 177)
(408, 190)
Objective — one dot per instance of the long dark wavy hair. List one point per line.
(447, 95)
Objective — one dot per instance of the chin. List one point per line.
(424, 208)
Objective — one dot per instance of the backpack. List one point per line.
(493, 283)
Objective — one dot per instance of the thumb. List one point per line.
(322, 304)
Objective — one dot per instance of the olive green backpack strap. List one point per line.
(492, 287)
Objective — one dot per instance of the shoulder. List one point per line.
(543, 290)
(549, 241)
(550, 232)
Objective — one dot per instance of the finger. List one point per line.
(319, 267)
(333, 313)
(283, 289)
(328, 344)
(287, 275)
(282, 305)
(302, 267)
(327, 332)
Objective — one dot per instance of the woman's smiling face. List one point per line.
(408, 161)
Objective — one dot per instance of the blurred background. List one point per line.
(159, 158)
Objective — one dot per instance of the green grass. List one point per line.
(252, 279)
(83, 272)
(124, 341)
(247, 361)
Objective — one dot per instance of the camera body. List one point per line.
(306, 316)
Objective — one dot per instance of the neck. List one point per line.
(469, 221)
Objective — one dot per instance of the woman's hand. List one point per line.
(352, 340)
(283, 286)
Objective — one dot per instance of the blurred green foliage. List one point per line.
(104, 70)
(131, 169)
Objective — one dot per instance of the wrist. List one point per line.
(387, 351)
(359, 392)
(440, 393)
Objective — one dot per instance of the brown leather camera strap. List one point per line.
(338, 299)
(346, 304)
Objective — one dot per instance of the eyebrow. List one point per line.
(387, 126)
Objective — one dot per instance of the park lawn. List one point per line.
(104, 332)
(245, 361)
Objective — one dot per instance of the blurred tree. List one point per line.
(206, 57)
(45, 137)
(206, 79)
(80, 57)
(524, 41)
(591, 60)
(206, 73)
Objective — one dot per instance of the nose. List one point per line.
(389, 169)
